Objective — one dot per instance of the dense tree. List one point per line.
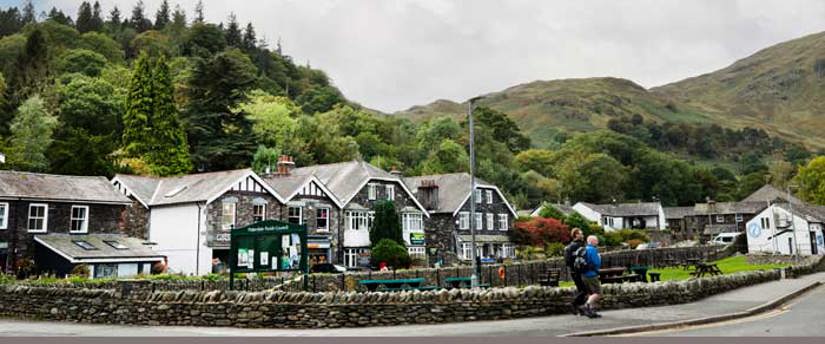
(265, 159)
(249, 41)
(503, 128)
(31, 69)
(137, 128)
(10, 21)
(162, 15)
(31, 133)
(204, 40)
(319, 99)
(386, 224)
(811, 181)
(97, 19)
(81, 61)
(101, 44)
(84, 22)
(233, 32)
(28, 15)
(58, 16)
(449, 157)
(169, 154)
(138, 20)
(199, 12)
(390, 252)
(152, 42)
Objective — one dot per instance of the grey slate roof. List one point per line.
(344, 179)
(675, 213)
(453, 189)
(627, 209)
(27, 185)
(65, 244)
(286, 185)
(722, 208)
(769, 193)
(199, 187)
(811, 213)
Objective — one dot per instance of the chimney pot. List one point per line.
(285, 165)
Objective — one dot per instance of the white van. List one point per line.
(725, 238)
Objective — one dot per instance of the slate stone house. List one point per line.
(711, 218)
(37, 209)
(675, 217)
(358, 186)
(310, 203)
(641, 215)
(190, 217)
(447, 199)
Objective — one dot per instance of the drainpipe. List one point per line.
(198, 244)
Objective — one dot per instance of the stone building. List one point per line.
(711, 218)
(788, 228)
(675, 217)
(640, 215)
(190, 217)
(38, 209)
(359, 186)
(447, 199)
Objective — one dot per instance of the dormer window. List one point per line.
(116, 244)
(85, 245)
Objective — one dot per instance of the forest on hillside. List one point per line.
(104, 91)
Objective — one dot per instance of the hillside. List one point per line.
(544, 108)
(779, 89)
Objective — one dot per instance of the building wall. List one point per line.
(587, 213)
(175, 230)
(218, 238)
(102, 218)
(786, 243)
(136, 220)
(309, 216)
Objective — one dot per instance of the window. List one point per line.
(478, 221)
(228, 215)
(38, 218)
(720, 218)
(416, 251)
(390, 192)
(322, 219)
(351, 256)
(489, 196)
(463, 220)
(478, 196)
(80, 219)
(4, 215)
(604, 221)
(372, 192)
(359, 220)
(507, 251)
(491, 223)
(85, 245)
(466, 250)
(739, 218)
(412, 222)
(294, 215)
(105, 270)
(116, 244)
(258, 212)
(503, 222)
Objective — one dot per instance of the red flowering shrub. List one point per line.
(540, 231)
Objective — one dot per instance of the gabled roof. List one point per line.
(290, 185)
(769, 193)
(61, 188)
(345, 179)
(454, 190)
(565, 209)
(191, 188)
(674, 213)
(626, 209)
(133, 249)
(811, 213)
(729, 208)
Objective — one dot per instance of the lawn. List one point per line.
(728, 266)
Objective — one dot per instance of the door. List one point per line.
(790, 245)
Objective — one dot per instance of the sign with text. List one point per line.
(268, 246)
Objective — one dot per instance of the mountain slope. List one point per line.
(545, 108)
(780, 89)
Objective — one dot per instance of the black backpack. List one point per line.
(580, 263)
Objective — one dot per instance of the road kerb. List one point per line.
(698, 321)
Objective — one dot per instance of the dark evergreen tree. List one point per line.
(58, 16)
(84, 21)
(170, 152)
(31, 69)
(10, 21)
(249, 41)
(28, 15)
(97, 19)
(137, 134)
(114, 18)
(162, 16)
(386, 224)
(233, 32)
(139, 21)
(199, 12)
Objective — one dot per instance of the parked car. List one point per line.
(725, 238)
(647, 245)
(327, 268)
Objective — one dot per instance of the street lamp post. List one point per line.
(476, 266)
(793, 222)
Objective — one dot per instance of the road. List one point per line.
(802, 317)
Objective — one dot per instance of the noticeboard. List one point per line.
(268, 246)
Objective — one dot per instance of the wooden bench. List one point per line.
(703, 269)
(551, 278)
(392, 285)
(621, 279)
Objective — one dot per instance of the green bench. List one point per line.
(461, 282)
(395, 284)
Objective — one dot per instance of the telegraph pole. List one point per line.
(476, 266)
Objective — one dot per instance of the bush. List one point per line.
(548, 211)
(618, 237)
(392, 253)
(540, 232)
(554, 249)
(81, 270)
(633, 243)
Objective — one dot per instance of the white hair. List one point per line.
(593, 240)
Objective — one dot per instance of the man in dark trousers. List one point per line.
(569, 257)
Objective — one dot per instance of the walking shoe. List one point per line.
(575, 310)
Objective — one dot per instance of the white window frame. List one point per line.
(489, 195)
(491, 221)
(503, 222)
(372, 191)
(45, 218)
(351, 256)
(507, 250)
(478, 196)
(463, 220)
(290, 216)
(479, 221)
(84, 228)
(720, 218)
(412, 222)
(359, 220)
(325, 228)
(739, 218)
(4, 212)
(225, 214)
(262, 215)
(466, 250)
(390, 189)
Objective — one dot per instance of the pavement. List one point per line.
(731, 302)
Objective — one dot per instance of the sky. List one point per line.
(391, 54)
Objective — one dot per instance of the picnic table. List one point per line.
(703, 269)
(393, 284)
(617, 275)
(461, 282)
(691, 262)
(551, 279)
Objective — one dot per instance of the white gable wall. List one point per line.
(175, 230)
(784, 243)
(588, 213)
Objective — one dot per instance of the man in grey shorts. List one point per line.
(590, 277)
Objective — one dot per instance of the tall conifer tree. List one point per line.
(170, 151)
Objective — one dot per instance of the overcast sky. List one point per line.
(390, 55)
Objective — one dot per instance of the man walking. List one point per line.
(590, 277)
(575, 275)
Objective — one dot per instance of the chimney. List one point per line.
(394, 171)
(285, 165)
(428, 194)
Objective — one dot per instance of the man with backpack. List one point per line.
(592, 262)
(575, 275)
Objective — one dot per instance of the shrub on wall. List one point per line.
(540, 232)
(390, 252)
